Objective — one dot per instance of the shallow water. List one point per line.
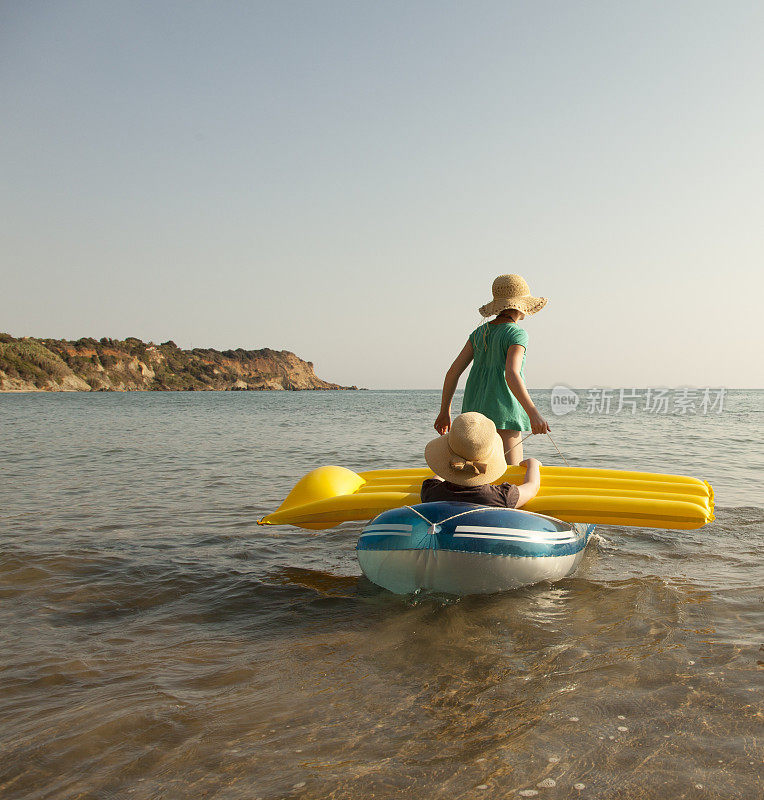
(157, 643)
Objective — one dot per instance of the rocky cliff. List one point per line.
(87, 365)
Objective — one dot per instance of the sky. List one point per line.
(345, 179)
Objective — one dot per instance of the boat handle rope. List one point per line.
(435, 526)
(550, 439)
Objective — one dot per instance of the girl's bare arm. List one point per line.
(529, 488)
(517, 387)
(461, 362)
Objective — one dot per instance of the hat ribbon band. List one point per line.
(469, 467)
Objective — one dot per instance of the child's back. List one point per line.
(487, 391)
(469, 458)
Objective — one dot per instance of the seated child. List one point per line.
(468, 458)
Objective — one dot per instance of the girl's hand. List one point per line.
(538, 423)
(443, 422)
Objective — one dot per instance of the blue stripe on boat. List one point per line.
(494, 531)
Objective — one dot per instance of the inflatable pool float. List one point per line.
(458, 548)
(328, 496)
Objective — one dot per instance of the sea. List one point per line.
(155, 642)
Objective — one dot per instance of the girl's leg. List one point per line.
(512, 444)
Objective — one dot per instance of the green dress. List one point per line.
(486, 390)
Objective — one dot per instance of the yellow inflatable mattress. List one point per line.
(328, 496)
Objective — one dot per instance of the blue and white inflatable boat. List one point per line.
(459, 548)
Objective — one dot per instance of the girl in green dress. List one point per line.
(496, 383)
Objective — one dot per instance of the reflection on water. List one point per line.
(157, 644)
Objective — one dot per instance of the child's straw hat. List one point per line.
(470, 454)
(511, 291)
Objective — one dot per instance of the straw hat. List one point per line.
(470, 454)
(511, 291)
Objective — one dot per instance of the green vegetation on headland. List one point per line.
(29, 364)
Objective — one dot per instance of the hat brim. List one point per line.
(438, 456)
(528, 305)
